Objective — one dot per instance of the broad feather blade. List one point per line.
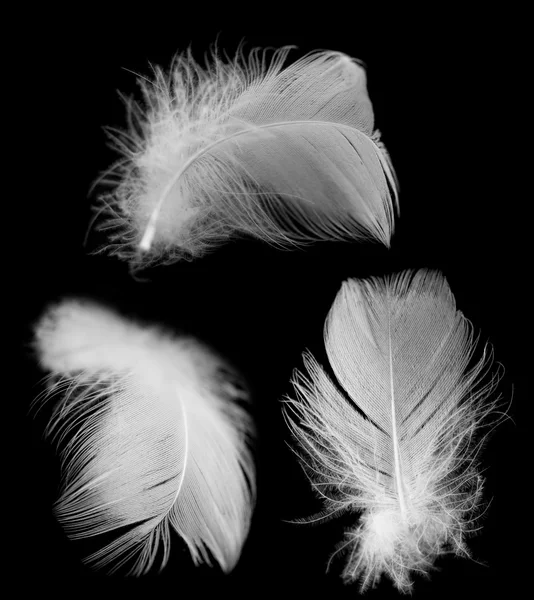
(151, 437)
(399, 444)
(286, 155)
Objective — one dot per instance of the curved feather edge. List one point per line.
(405, 455)
(154, 437)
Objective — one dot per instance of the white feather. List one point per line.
(151, 437)
(287, 155)
(397, 441)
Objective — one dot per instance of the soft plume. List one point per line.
(395, 434)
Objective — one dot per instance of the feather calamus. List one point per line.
(288, 155)
(153, 438)
(399, 444)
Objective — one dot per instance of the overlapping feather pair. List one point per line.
(153, 430)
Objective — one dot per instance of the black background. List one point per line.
(445, 100)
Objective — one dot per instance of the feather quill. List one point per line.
(153, 438)
(397, 440)
(248, 147)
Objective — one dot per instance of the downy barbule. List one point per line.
(395, 437)
(288, 155)
(154, 436)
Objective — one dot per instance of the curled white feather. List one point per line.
(246, 147)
